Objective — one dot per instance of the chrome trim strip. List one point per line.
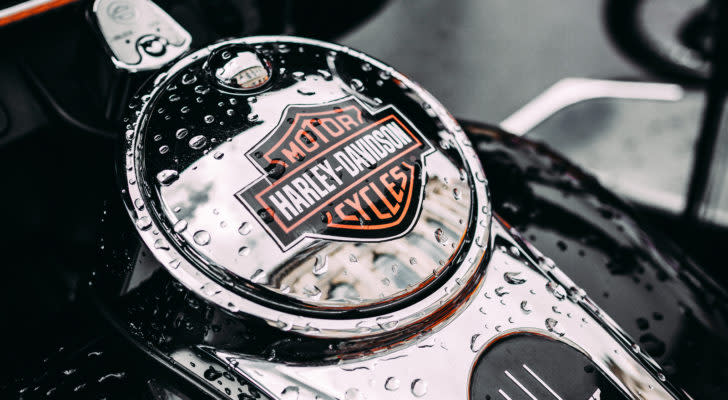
(570, 91)
(520, 385)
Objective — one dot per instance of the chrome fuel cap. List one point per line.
(305, 184)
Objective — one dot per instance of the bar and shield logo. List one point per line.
(338, 171)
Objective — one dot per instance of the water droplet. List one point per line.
(167, 177)
(306, 91)
(198, 142)
(419, 387)
(525, 307)
(312, 292)
(500, 291)
(202, 89)
(163, 149)
(513, 279)
(298, 75)
(556, 290)
(456, 194)
(181, 133)
(244, 228)
(209, 119)
(477, 342)
(392, 384)
(353, 259)
(188, 79)
(243, 251)
(201, 237)
(357, 85)
(144, 223)
(387, 325)
(321, 265)
(325, 74)
(552, 326)
(180, 226)
(413, 261)
(290, 393)
(161, 244)
(252, 117)
(440, 236)
(218, 155)
(257, 276)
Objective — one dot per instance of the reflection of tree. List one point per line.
(369, 272)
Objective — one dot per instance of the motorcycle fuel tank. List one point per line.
(333, 221)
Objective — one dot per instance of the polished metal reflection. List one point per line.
(190, 219)
(522, 293)
(139, 35)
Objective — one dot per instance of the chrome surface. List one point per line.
(194, 223)
(139, 35)
(471, 281)
(522, 292)
(242, 69)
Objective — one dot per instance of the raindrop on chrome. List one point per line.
(392, 384)
(198, 142)
(201, 237)
(419, 387)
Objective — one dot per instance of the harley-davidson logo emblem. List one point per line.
(338, 171)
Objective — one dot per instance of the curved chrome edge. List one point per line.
(181, 269)
(546, 303)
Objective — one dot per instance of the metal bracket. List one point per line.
(139, 35)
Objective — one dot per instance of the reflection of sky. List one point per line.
(396, 270)
(205, 192)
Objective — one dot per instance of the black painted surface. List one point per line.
(659, 296)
